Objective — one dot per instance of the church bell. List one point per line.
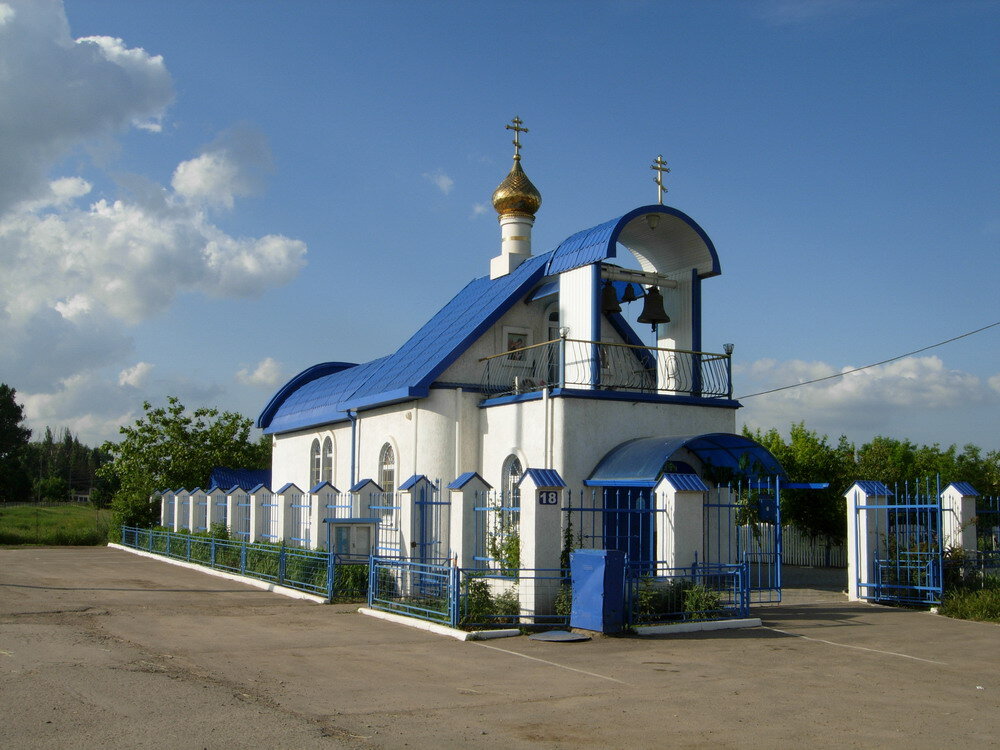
(652, 308)
(609, 299)
(629, 295)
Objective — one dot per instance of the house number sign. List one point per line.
(548, 497)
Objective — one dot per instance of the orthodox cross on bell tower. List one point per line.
(661, 168)
(516, 127)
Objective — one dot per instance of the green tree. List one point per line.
(14, 482)
(808, 457)
(169, 448)
(51, 490)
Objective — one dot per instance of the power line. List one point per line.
(874, 364)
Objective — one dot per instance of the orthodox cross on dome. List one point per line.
(516, 127)
(661, 168)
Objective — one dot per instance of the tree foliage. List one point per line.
(809, 457)
(15, 484)
(169, 448)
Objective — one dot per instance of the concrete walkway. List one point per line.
(99, 648)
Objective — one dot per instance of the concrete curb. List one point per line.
(256, 582)
(694, 627)
(433, 627)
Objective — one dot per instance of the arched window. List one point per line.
(314, 465)
(509, 477)
(387, 469)
(326, 474)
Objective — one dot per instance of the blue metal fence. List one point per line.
(700, 592)
(317, 572)
(905, 545)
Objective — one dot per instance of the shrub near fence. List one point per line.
(292, 567)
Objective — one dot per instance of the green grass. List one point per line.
(53, 525)
(978, 601)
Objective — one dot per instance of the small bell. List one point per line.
(609, 299)
(629, 295)
(652, 308)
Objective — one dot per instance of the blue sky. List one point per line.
(237, 190)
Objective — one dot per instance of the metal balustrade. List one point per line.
(580, 364)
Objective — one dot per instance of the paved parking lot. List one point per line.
(99, 647)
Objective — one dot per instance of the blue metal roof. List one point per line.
(362, 483)
(287, 487)
(677, 237)
(873, 488)
(320, 488)
(463, 479)
(686, 482)
(642, 462)
(964, 489)
(227, 478)
(306, 400)
(542, 478)
(413, 481)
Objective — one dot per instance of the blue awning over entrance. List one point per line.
(643, 461)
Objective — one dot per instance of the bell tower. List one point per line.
(516, 201)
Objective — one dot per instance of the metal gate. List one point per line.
(901, 541)
(742, 523)
(431, 522)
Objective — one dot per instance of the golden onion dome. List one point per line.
(516, 194)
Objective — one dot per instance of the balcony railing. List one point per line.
(596, 365)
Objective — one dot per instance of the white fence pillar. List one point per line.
(958, 516)
(862, 536)
(680, 524)
(462, 536)
(182, 510)
(541, 539)
(217, 507)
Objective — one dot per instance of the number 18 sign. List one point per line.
(548, 497)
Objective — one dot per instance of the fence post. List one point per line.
(454, 594)
(188, 546)
(372, 579)
(150, 533)
(212, 553)
(281, 563)
(243, 559)
(330, 572)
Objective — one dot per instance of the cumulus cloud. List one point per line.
(479, 209)
(995, 382)
(268, 372)
(438, 178)
(231, 167)
(81, 271)
(65, 92)
(865, 402)
(135, 376)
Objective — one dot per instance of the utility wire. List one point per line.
(874, 364)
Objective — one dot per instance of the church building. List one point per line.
(530, 374)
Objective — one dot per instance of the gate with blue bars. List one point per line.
(431, 521)
(741, 524)
(899, 533)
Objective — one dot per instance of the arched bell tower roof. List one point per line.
(670, 243)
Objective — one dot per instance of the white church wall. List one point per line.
(291, 457)
(469, 369)
(515, 428)
(586, 429)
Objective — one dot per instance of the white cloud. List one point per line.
(268, 372)
(879, 400)
(230, 167)
(79, 272)
(66, 92)
(479, 209)
(135, 376)
(438, 178)
(994, 382)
